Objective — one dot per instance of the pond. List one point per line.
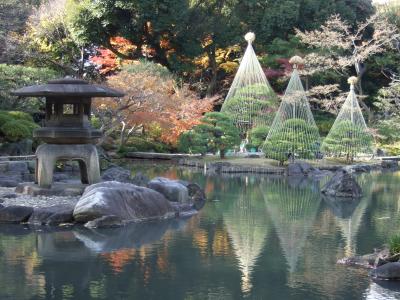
(256, 238)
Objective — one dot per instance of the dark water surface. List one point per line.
(256, 238)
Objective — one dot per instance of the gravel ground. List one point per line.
(9, 197)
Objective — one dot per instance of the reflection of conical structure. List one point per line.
(388, 290)
(349, 219)
(293, 211)
(349, 213)
(247, 227)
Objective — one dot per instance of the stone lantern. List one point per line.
(67, 132)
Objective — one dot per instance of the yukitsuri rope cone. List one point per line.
(250, 100)
(293, 133)
(349, 136)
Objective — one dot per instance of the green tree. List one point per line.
(224, 135)
(215, 133)
(13, 15)
(278, 18)
(349, 139)
(173, 33)
(257, 137)
(13, 77)
(15, 126)
(195, 140)
(217, 26)
(160, 26)
(295, 138)
(50, 41)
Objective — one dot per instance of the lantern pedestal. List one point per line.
(48, 154)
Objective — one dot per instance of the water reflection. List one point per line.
(383, 290)
(247, 226)
(292, 206)
(131, 236)
(348, 214)
(257, 237)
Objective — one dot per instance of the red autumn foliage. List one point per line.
(108, 61)
(284, 69)
(151, 102)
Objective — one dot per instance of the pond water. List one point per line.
(256, 238)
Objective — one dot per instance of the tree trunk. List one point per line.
(214, 69)
(122, 136)
(360, 70)
(82, 63)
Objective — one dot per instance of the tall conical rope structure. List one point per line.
(293, 133)
(349, 136)
(250, 101)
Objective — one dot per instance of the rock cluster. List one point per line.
(342, 185)
(114, 203)
(384, 265)
(303, 169)
(14, 172)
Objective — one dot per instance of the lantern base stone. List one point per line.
(48, 154)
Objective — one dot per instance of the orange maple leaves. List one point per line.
(107, 61)
(150, 99)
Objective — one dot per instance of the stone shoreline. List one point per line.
(115, 201)
(8, 197)
(303, 167)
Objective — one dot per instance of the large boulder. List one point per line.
(52, 215)
(173, 190)
(366, 261)
(342, 185)
(390, 164)
(298, 169)
(10, 181)
(389, 271)
(14, 172)
(197, 195)
(18, 167)
(140, 179)
(105, 222)
(302, 168)
(15, 214)
(116, 174)
(23, 147)
(126, 201)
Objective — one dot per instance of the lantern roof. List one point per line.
(67, 86)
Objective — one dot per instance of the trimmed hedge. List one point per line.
(15, 130)
(16, 125)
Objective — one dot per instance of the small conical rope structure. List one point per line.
(251, 101)
(349, 136)
(293, 133)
